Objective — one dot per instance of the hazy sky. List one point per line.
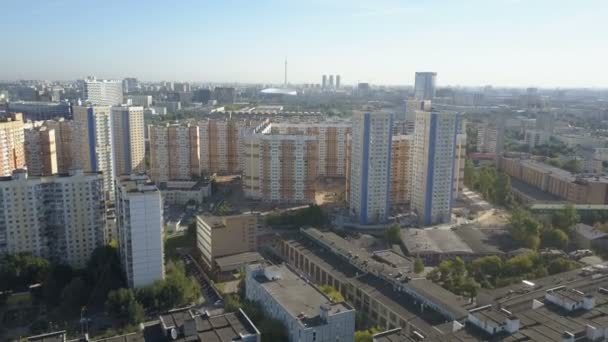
(468, 42)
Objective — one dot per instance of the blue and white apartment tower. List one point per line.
(370, 165)
(433, 166)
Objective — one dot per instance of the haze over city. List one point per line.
(543, 43)
(304, 171)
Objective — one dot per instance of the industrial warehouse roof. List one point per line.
(460, 240)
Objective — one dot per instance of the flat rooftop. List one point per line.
(296, 295)
(238, 259)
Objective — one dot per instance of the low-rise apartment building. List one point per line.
(307, 313)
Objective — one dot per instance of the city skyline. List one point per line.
(511, 43)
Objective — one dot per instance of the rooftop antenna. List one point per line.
(285, 72)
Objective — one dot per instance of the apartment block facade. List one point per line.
(288, 168)
(218, 236)
(12, 143)
(58, 217)
(578, 189)
(103, 92)
(435, 141)
(40, 150)
(129, 139)
(66, 146)
(370, 167)
(220, 149)
(94, 144)
(331, 137)
(139, 221)
(401, 170)
(174, 152)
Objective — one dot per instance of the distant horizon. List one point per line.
(278, 85)
(511, 43)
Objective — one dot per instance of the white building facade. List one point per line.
(139, 220)
(103, 92)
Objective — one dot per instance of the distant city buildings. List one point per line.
(224, 95)
(12, 143)
(68, 231)
(103, 92)
(139, 221)
(65, 147)
(534, 138)
(424, 88)
(36, 110)
(433, 167)
(370, 166)
(128, 139)
(141, 100)
(130, 85)
(486, 138)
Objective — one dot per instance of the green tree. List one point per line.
(560, 265)
(18, 271)
(502, 186)
(366, 335)
(566, 218)
(418, 265)
(524, 229)
(573, 165)
(520, 264)
(175, 290)
(104, 272)
(122, 305)
(487, 269)
(555, 238)
(485, 185)
(333, 294)
(470, 174)
(74, 295)
(393, 235)
(554, 162)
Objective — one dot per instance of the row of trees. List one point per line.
(493, 186)
(176, 290)
(492, 271)
(311, 216)
(533, 233)
(64, 288)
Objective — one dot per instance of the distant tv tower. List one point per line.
(285, 71)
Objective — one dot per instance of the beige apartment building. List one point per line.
(174, 152)
(578, 189)
(220, 150)
(67, 231)
(40, 150)
(12, 143)
(218, 236)
(401, 169)
(128, 139)
(331, 137)
(288, 168)
(65, 140)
